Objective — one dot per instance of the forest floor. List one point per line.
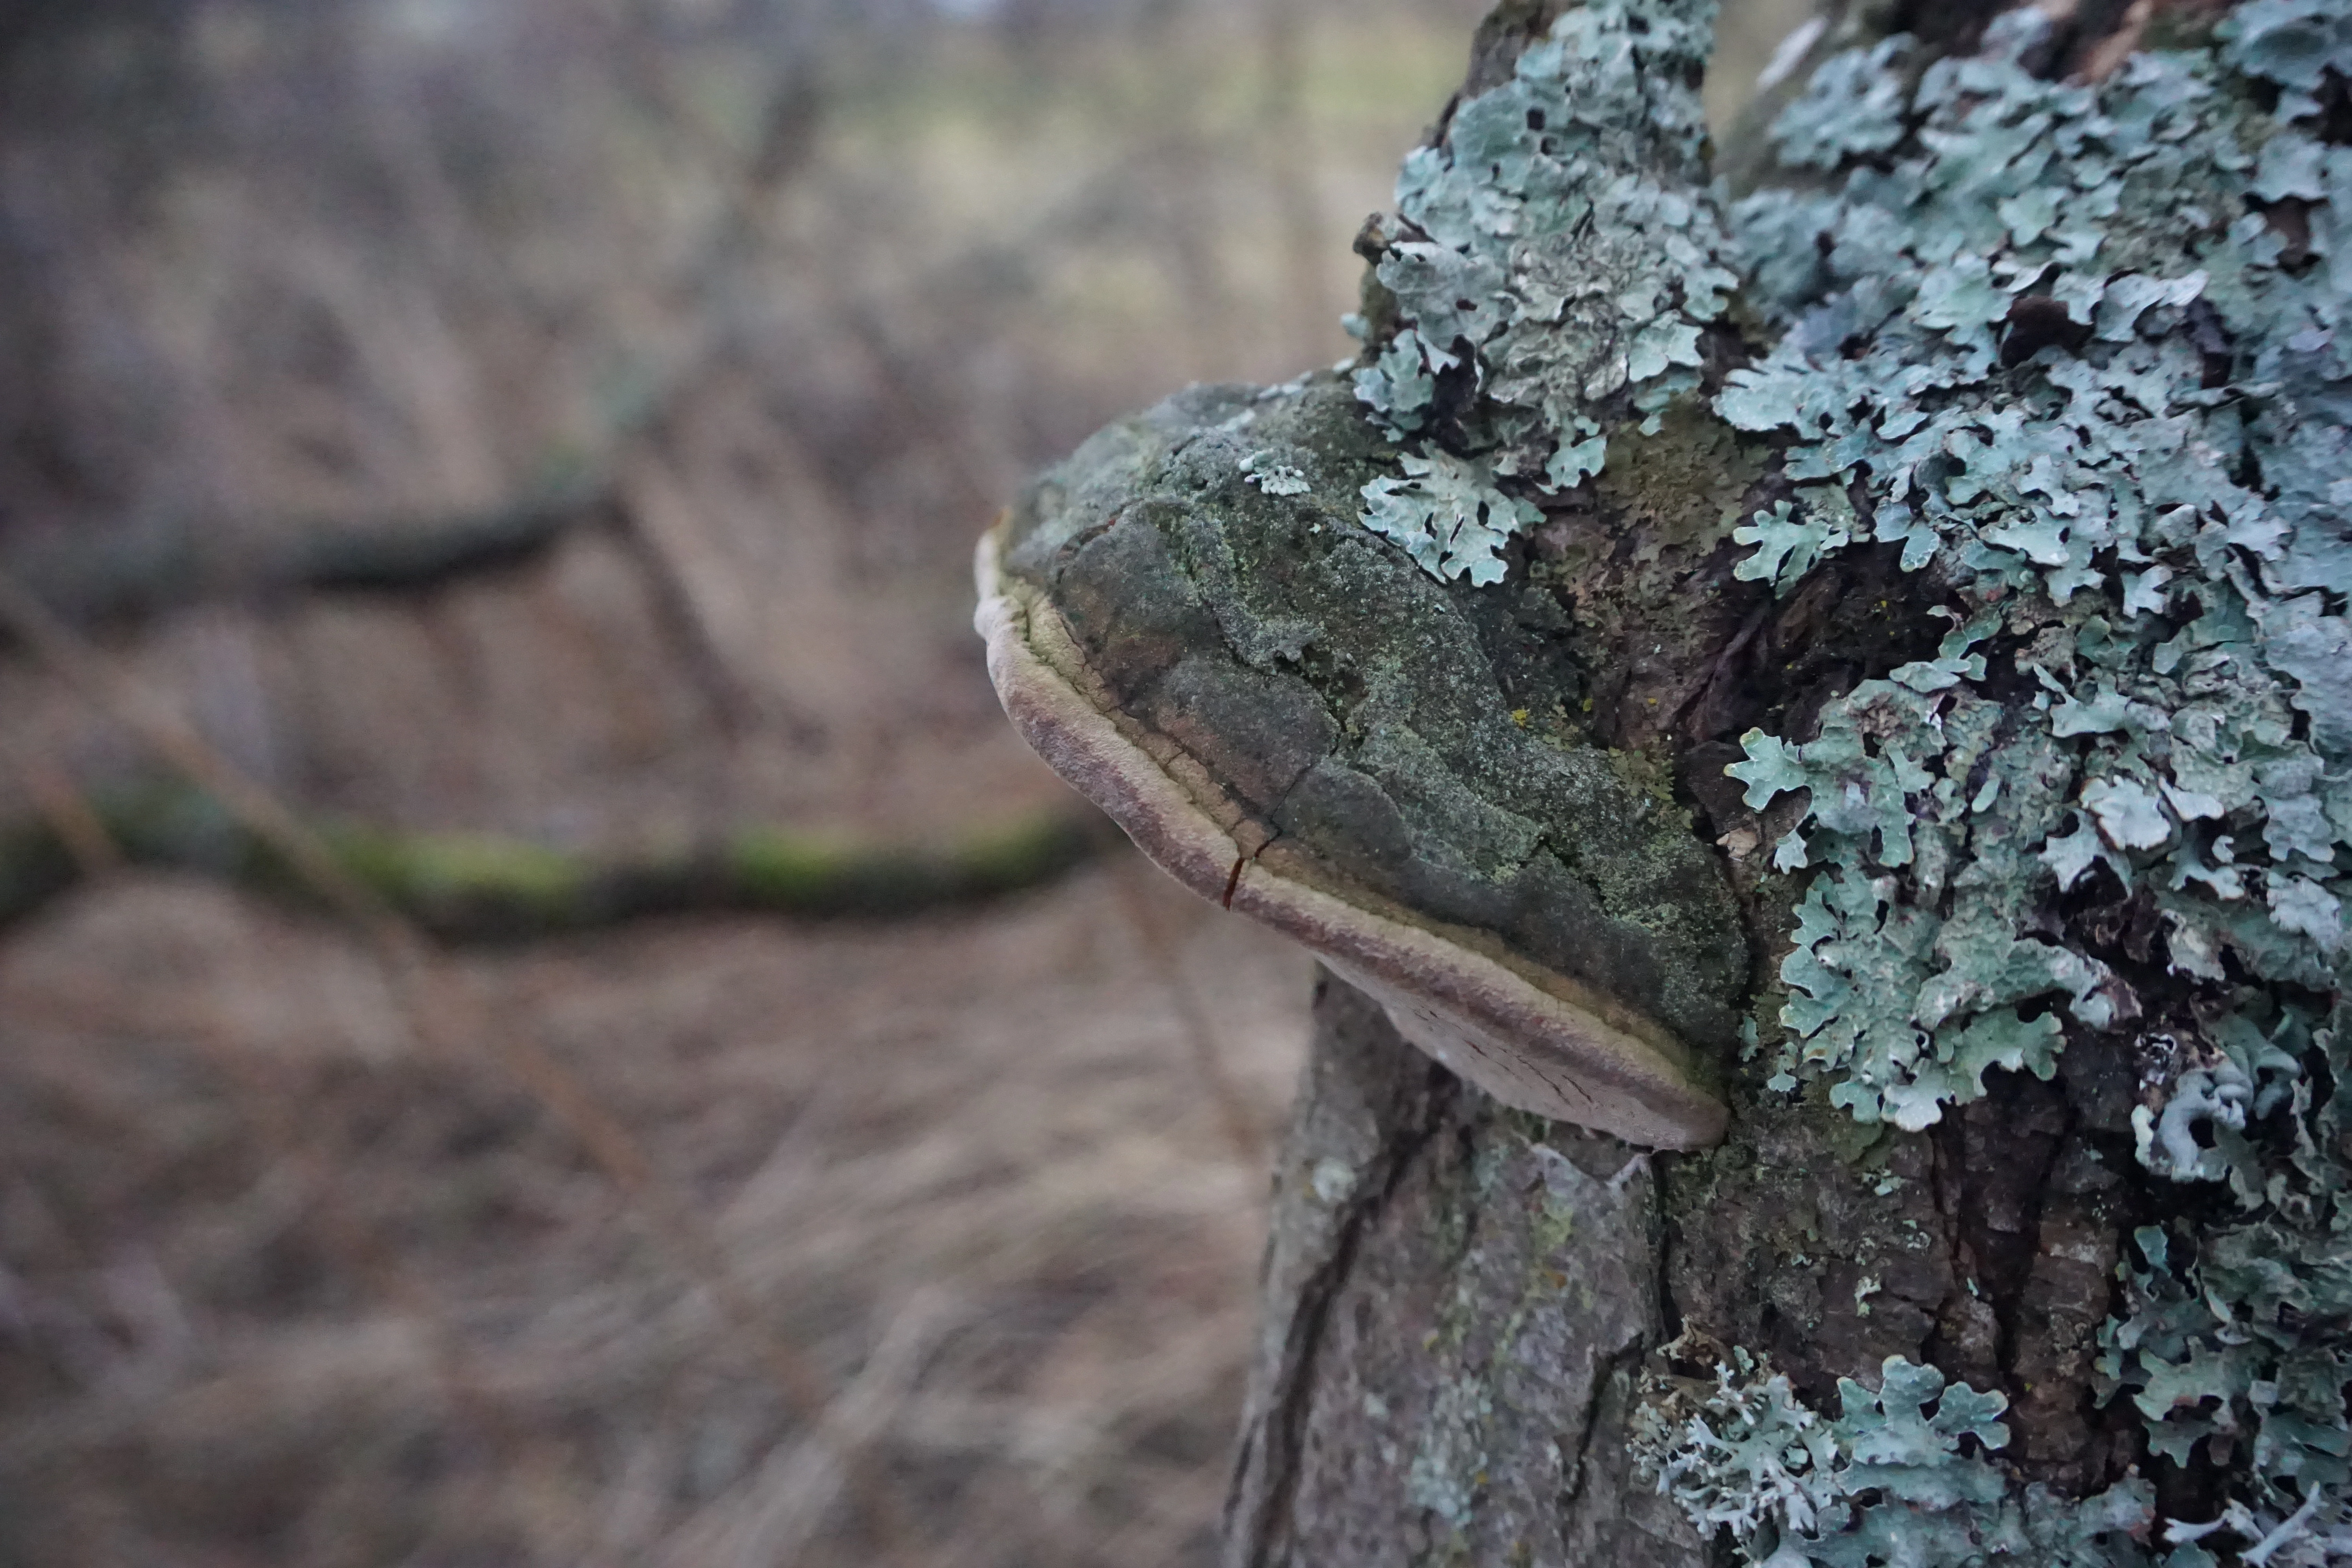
(284, 1285)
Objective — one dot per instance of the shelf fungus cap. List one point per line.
(1535, 1039)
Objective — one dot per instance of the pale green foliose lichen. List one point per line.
(2234, 1337)
(1273, 476)
(1448, 515)
(1558, 251)
(1898, 1476)
(2079, 351)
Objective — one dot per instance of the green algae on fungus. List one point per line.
(1297, 721)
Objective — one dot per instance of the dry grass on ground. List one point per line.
(281, 1289)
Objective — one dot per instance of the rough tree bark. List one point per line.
(2026, 400)
(1460, 1300)
(1459, 1303)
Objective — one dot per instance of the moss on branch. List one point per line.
(480, 886)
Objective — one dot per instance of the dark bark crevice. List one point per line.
(1399, 1103)
(1456, 1328)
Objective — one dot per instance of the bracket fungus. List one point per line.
(1293, 719)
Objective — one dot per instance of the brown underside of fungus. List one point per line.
(1533, 1038)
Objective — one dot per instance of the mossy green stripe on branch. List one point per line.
(481, 887)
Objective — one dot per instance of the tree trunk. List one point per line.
(1459, 1300)
(1960, 614)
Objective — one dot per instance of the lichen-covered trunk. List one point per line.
(1460, 1301)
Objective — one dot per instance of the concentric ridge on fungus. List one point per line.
(1534, 1041)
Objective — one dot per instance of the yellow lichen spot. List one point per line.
(1520, 717)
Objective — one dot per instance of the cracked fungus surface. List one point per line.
(2073, 350)
(1351, 704)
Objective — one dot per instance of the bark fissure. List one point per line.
(1608, 1368)
(1267, 1468)
(1454, 1358)
(1286, 1421)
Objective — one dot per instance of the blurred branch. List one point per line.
(1252, 1148)
(776, 1510)
(75, 835)
(128, 574)
(1187, 220)
(271, 1104)
(133, 571)
(116, 576)
(1288, 157)
(477, 887)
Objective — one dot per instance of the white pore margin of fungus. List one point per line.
(1528, 1040)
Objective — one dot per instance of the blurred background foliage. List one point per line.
(505, 469)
